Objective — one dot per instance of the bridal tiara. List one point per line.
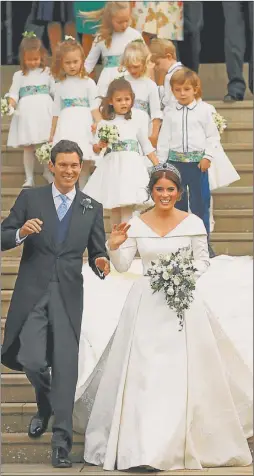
(164, 167)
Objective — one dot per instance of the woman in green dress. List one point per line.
(86, 28)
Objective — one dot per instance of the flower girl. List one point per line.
(31, 95)
(119, 181)
(75, 101)
(136, 60)
(113, 36)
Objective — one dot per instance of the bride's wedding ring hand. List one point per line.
(118, 235)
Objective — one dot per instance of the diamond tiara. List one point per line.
(164, 167)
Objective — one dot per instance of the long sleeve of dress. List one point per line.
(123, 257)
(154, 103)
(144, 141)
(93, 57)
(57, 103)
(163, 145)
(201, 254)
(15, 86)
(93, 93)
(52, 86)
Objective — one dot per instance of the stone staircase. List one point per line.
(233, 211)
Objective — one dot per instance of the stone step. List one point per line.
(44, 469)
(47, 470)
(238, 132)
(233, 198)
(246, 175)
(19, 448)
(5, 302)
(227, 197)
(15, 417)
(233, 244)
(236, 112)
(16, 388)
(237, 152)
(14, 177)
(213, 77)
(235, 132)
(233, 220)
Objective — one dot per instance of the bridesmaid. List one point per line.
(86, 28)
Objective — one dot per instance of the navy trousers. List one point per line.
(199, 191)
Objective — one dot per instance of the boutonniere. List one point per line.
(86, 203)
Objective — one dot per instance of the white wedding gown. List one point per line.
(159, 397)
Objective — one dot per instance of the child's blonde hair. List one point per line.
(161, 48)
(104, 16)
(106, 109)
(57, 64)
(31, 44)
(136, 52)
(186, 75)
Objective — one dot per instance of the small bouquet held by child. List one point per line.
(220, 122)
(6, 109)
(109, 135)
(43, 153)
(174, 275)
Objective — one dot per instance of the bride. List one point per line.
(159, 397)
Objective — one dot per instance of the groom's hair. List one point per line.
(66, 147)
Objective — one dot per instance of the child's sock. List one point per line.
(85, 174)
(212, 222)
(28, 160)
(47, 174)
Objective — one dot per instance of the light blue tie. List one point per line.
(63, 208)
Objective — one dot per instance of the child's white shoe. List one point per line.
(28, 183)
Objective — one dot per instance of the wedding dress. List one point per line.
(159, 397)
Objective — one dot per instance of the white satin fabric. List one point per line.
(159, 397)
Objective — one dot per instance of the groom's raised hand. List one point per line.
(31, 226)
(103, 264)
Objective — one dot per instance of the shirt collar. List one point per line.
(70, 195)
(174, 66)
(190, 106)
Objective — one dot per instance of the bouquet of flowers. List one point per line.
(6, 109)
(174, 275)
(220, 122)
(108, 134)
(43, 153)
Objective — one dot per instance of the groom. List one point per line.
(56, 223)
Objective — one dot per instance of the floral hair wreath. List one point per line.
(67, 38)
(29, 34)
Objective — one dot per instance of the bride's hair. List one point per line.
(168, 174)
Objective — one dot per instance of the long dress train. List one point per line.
(159, 397)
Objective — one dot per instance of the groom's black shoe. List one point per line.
(38, 425)
(60, 458)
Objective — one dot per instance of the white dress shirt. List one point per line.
(57, 201)
(188, 129)
(167, 97)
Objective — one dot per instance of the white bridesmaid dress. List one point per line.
(159, 397)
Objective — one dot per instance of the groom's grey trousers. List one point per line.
(48, 325)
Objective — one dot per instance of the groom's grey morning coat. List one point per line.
(41, 255)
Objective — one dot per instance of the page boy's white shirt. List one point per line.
(166, 95)
(187, 129)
